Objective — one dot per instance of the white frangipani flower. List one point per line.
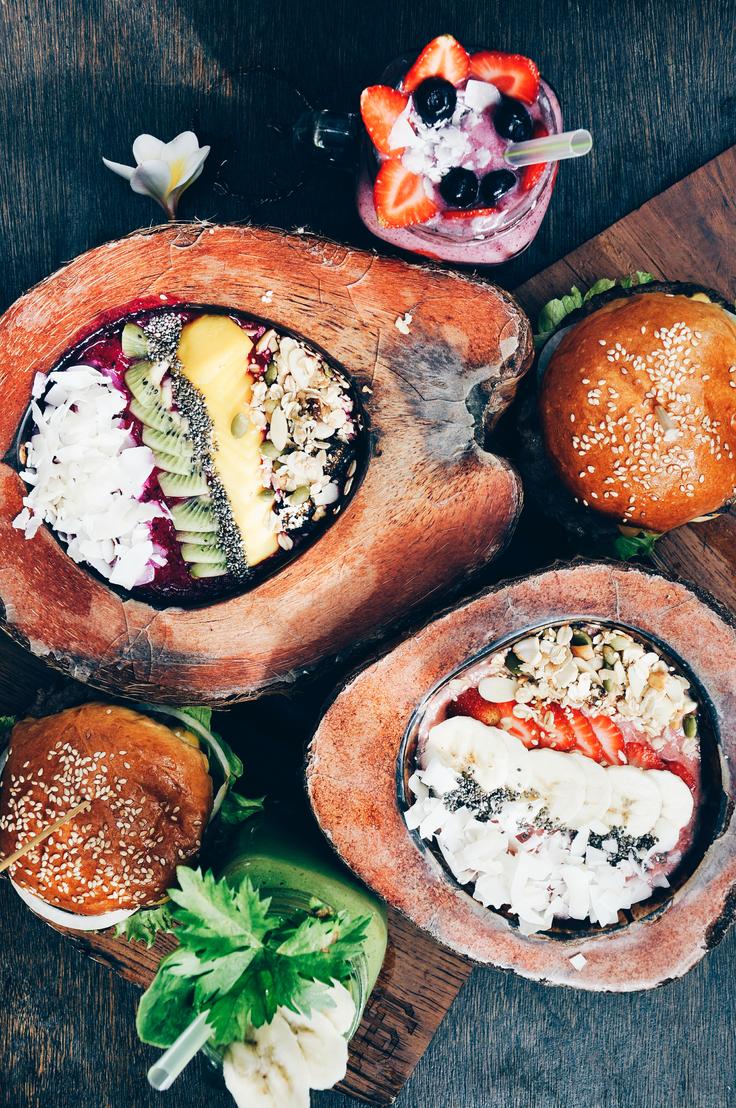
(163, 170)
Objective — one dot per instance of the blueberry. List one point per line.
(434, 100)
(495, 185)
(512, 120)
(459, 188)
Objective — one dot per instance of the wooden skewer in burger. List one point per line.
(149, 787)
(637, 403)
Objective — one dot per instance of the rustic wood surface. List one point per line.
(430, 498)
(80, 79)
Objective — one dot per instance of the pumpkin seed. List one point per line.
(610, 656)
(581, 638)
(266, 494)
(299, 496)
(512, 662)
(690, 726)
(620, 642)
(271, 374)
(269, 450)
(239, 425)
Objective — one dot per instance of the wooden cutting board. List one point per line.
(686, 233)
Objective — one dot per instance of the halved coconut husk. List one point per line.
(358, 767)
(432, 507)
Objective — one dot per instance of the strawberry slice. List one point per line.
(529, 731)
(471, 703)
(610, 737)
(560, 736)
(442, 57)
(586, 740)
(467, 213)
(683, 772)
(642, 755)
(530, 174)
(400, 198)
(380, 107)
(512, 74)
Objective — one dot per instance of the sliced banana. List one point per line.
(597, 791)
(342, 1013)
(677, 808)
(270, 1071)
(636, 802)
(560, 781)
(324, 1049)
(468, 746)
(518, 770)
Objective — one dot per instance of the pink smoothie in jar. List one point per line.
(488, 212)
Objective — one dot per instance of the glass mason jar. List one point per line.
(487, 240)
(288, 860)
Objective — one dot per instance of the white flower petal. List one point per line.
(147, 148)
(125, 171)
(152, 179)
(180, 148)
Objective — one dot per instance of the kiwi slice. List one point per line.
(172, 463)
(172, 442)
(199, 537)
(134, 341)
(194, 515)
(153, 415)
(183, 484)
(140, 382)
(196, 553)
(208, 569)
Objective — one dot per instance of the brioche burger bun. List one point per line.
(637, 405)
(151, 793)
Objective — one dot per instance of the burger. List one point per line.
(148, 777)
(637, 404)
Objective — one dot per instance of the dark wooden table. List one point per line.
(82, 78)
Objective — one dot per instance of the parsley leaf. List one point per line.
(554, 311)
(7, 723)
(635, 546)
(144, 925)
(241, 961)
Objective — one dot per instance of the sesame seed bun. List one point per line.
(638, 408)
(151, 799)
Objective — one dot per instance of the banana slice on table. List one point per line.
(636, 802)
(677, 807)
(270, 1071)
(324, 1049)
(597, 791)
(560, 781)
(468, 746)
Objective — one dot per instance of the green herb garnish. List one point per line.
(554, 311)
(7, 723)
(635, 546)
(143, 926)
(241, 961)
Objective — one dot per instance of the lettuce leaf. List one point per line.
(556, 310)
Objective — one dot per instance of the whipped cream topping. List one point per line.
(87, 475)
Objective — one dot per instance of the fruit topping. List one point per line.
(512, 74)
(434, 100)
(586, 740)
(495, 185)
(683, 773)
(468, 213)
(459, 188)
(558, 733)
(641, 755)
(527, 730)
(442, 57)
(512, 120)
(471, 703)
(400, 198)
(380, 107)
(610, 738)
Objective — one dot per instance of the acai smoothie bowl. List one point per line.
(541, 777)
(183, 452)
